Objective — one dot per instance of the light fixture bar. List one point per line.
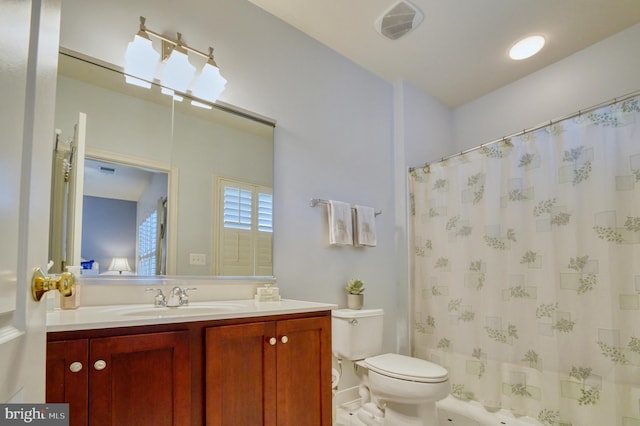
(166, 39)
(177, 73)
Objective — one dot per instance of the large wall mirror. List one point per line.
(146, 183)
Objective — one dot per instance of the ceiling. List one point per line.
(117, 181)
(459, 52)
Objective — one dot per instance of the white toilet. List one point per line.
(396, 390)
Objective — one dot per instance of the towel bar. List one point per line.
(315, 201)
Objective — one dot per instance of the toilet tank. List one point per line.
(356, 334)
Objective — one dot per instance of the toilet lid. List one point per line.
(407, 368)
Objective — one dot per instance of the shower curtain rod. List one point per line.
(538, 127)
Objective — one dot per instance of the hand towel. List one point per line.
(340, 223)
(365, 229)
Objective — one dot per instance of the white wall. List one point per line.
(428, 127)
(422, 130)
(110, 125)
(596, 74)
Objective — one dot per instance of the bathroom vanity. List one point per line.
(221, 363)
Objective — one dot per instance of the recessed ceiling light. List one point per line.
(526, 47)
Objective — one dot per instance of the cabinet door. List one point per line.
(68, 377)
(140, 380)
(240, 382)
(304, 372)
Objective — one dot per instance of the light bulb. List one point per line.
(209, 84)
(177, 72)
(141, 59)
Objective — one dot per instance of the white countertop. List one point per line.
(111, 316)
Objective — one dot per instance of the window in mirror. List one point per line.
(244, 228)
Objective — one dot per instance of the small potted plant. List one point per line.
(355, 296)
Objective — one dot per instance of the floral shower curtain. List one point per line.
(526, 270)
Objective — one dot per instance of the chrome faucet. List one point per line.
(178, 296)
(159, 300)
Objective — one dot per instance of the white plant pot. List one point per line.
(355, 301)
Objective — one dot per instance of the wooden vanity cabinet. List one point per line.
(264, 371)
(68, 377)
(269, 373)
(140, 379)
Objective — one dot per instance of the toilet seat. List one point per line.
(407, 368)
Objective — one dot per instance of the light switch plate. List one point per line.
(197, 259)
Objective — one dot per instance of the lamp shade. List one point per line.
(119, 264)
(178, 72)
(141, 60)
(209, 84)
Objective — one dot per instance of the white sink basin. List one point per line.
(179, 311)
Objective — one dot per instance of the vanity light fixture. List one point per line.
(176, 73)
(527, 47)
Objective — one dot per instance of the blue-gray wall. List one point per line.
(108, 230)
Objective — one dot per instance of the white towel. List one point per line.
(365, 230)
(340, 224)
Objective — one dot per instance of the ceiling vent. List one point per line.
(399, 20)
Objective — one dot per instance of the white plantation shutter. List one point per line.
(244, 229)
(236, 254)
(264, 259)
(265, 212)
(237, 208)
(264, 238)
